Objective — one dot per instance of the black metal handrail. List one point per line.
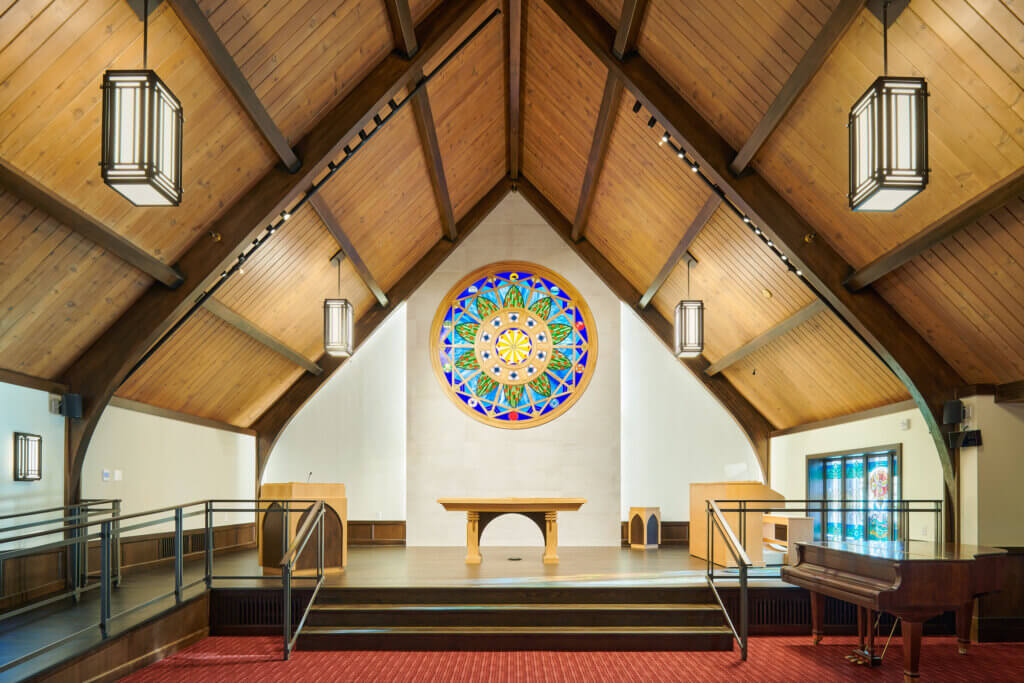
(288, 560)
(739, 555)
(80, 533)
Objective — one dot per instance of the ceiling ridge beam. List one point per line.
(98, 371)
(832, 31)
(625, 41)
(926, 374)
(205, 36)
(333, 226)
(680, 252)
(254, 331)
(404, 33)
(754, 424)
(274, 419)
(768, 336)
(24, 187)
(515, 22)
(953, 222)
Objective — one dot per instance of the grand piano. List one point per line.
(913, 580)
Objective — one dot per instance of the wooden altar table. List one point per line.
(480, 511)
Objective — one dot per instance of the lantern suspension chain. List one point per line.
(885, 38)
(145, 33)
(332, 168)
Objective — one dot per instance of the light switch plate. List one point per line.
(107, 475)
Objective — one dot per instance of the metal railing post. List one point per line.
(116, 509)
(75, 553)
(209, 543)
(178, 554)
(105, 533)
(320, 547)
(744, 612)
(286, 608)
(707, 544)
(284, 530)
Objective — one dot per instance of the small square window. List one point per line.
(28, 457)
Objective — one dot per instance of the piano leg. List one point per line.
(963, 626)
(911, 649)
(817, 617)
(860, 626)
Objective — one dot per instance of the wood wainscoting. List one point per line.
(33, 577)
(672, 533)
(150, 641)
(376, 532)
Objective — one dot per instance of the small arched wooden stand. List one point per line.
(480, 512)
(644, 528)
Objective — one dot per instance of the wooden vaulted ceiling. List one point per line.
(731, 61)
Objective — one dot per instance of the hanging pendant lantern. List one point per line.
(888, 140)
(142, 126)
(688, 331)
(338, 333)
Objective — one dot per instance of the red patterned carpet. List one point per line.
(771, 659)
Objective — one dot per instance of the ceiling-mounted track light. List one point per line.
(888, 139)
(140, 156)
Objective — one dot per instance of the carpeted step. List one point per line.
(512, 614)
(598, 638)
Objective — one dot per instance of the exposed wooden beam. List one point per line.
(330, 222)
(927, 376)
(146, 408)
(1012, 392)
(828, 37)
(679, 253)
(514, 29)
(629, 27)
(198, 26)
(273, 421)
(598, 148)
(100, 369)
(250, 329)
(32, 382)
(852, 417)
(405, 40)
(767, 337)
(625, 41)
(20, 185)
(979, 207)
(756, 427)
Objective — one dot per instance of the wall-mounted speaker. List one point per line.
(71, 406)
(953, 412)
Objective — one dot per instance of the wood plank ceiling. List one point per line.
(728, 59)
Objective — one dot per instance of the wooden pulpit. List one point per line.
(277, 528)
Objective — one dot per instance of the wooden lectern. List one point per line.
(274, 535)
(729, 490)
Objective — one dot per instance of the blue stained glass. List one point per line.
(854, 495)
(878, 494)
(816, 491)
(834, 496)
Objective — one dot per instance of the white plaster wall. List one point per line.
(451, 454)
(168, 462)
(993, 497)
(674, 432)
(922, 472)
(353, 430)
(26, 410)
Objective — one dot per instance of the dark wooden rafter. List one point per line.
(625, 42)
(217, 54)
(756, 427)
(150, 409)
(24, 187)
(926, 375)
(1012, 392)
(198, 26)
(515, 21)
(32, 382)
(767, 337)
(273, 421)
(333, 226)
(953, 222)
(828, 37)
(404, 33)
(680, 252)
(99, 370)
(250, 329)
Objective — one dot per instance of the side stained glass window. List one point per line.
(855, 496)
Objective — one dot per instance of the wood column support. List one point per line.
(473, 538)
(551, 538)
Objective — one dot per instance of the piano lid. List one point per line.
(912, 550)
